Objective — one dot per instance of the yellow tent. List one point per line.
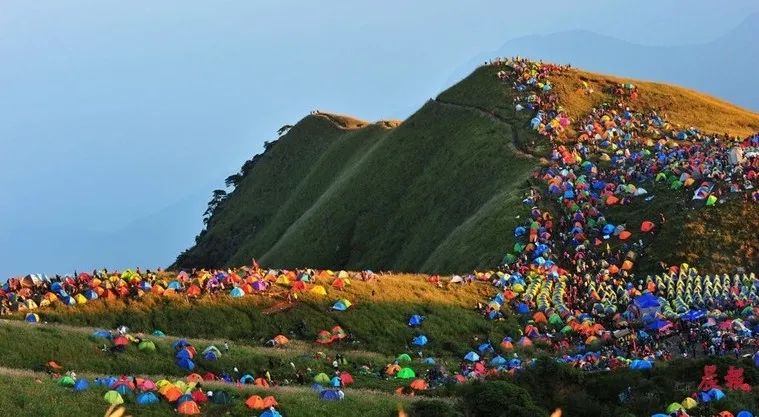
(318, 290)
(282, 280)
(343, 275)
(689, 403)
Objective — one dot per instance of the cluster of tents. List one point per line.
(33, 291)
(690, 404)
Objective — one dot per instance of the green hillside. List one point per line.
(442, 191)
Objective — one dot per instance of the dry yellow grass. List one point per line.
(349, 122)
(682, 106)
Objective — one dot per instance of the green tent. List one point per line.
(66, 381)
(322, 378)
(146, 346)
(555, 320)
(406, 373)
(403, 357)
(113, 398)
(674, 407)
(711, 200)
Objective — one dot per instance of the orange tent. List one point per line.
(188, 408)
(261, 382)
(625, 235)
(613, 269)
(255, 402)
(172, 394)
(646, 226)
(270, 401)
(627, 265)
(539, 317)
(338, 283)
(612, 200)
(194, 378)
(193, 291)
(281, 340)
(419, 385)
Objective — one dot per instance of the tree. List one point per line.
(284, 129)
(218, 197)
(233, 180)
(499, 398)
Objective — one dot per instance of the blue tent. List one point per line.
(330, 395)
(472, 357)
(81, 385)
(210, 356)
(123, 389)
(657, 324)
(180, 344)
(485, 347)
(569, 194)
(184, 398)
(174, 285)
(158, 333)
(102, 333)
(716, 394)
(56, 287)
(647, 300)
(247, 379)
(106, 381)
(415, 320)
(498, 361)
(419, 340)
(91, 295)
(186, 364)
(429, 361)
(693, 315)
(339, 306)
(522, 308)
(335, 382)
(520, 231)
(641, 364)
(236, 292)
(744, 413)
(147, 398)
(270, 413)
(609, 229)
(183, 354)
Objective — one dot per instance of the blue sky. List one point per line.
(117, 119)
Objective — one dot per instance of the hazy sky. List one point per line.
(113, 112)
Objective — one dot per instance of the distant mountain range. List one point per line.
(725, 67)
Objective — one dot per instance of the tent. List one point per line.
(322, 378)
(419, 385)
(331, 395)
(81, 384)
(318, 290)
(341, 305)
(674, 407)
(419, 340)
(415, 320)
(147, 398)
(188, 408)
(236, 292)
(646, 226)
(146, 346)
(113, 398)
(186, 364)
(255, 402)
(270, 413)
(66, 381)
(689, 403)
(406, 373)
(32, 318)
(403, 357)
(220, 398)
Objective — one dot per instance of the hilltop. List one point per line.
(442, 191)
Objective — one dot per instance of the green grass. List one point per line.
(441, 191)
(378, 323)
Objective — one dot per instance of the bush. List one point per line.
(499, 398)
(433, 408)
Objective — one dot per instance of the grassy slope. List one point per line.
(25, 394)
(377, 322)
(682, 106)
(441, 192)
